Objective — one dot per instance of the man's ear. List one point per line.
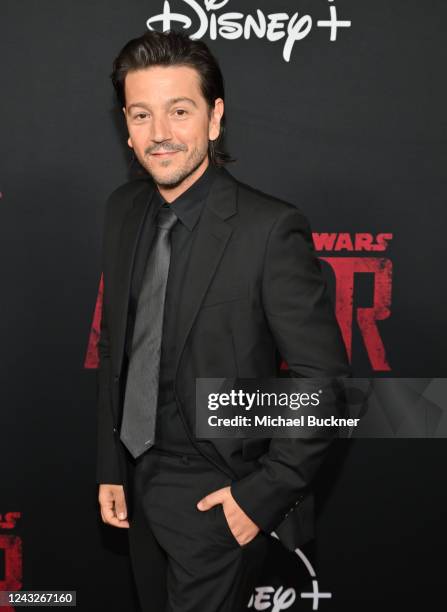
(129, 142)
(216, 116)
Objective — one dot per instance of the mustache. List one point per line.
(152, 150)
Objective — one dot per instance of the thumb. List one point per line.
(210, 500)
(120, 507)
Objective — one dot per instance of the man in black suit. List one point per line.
(244, 292)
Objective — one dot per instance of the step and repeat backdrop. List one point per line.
(337, 106)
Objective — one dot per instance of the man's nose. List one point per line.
(161, 130)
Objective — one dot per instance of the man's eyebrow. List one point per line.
(169, 102)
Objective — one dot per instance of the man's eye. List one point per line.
(182, 111)
(140, 115)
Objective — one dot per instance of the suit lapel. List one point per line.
(213, 234)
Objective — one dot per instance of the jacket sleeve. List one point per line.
(302, 321)
(107, 461)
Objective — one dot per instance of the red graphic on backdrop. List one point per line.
(347, 242)
(92, 356)
(11, 547)
(345, 269)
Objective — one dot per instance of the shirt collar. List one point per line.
(189, 204)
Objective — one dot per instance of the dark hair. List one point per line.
(174, 48)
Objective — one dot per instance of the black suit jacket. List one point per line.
(253, 295)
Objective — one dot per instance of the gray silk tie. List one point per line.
(141, 395)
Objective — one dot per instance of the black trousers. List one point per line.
(184, 559)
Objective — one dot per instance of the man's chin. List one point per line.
(168, 180)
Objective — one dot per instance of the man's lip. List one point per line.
(165, 153)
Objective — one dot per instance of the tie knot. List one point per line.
(166, 217)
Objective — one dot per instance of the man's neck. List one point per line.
(169, 194)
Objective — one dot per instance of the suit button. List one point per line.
(114, 430)
(116, 378)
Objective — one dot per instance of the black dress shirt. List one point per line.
(170, 433)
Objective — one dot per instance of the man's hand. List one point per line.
(241, 525)
(113, 505)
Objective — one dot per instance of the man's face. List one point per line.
(168, 121)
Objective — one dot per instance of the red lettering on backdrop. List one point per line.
(92, 356)
(346, 242)
(11, 547)
(345, 269)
